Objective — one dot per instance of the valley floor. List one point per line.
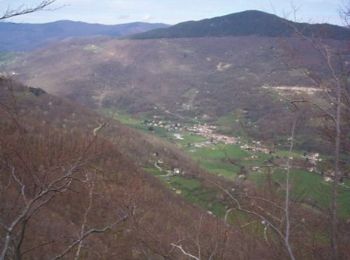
(238, 159)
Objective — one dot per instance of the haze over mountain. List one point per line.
(24, 37)
(244, 24)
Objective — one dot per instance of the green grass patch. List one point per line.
(154, 171)
(220, 151)
(294, 154)
(7, 57)
(227, 161)
(312, 189)
(231, 124)
(226, 170)
(218, 159)
(121, 116)
(134, 122)
(192, 190)
(189, 140)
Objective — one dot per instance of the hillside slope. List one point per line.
(246, 23)
(114, 182)
(184, 79)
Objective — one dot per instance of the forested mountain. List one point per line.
(246, 23)
(204, 78)
(23, 37)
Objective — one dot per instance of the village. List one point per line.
(204, 130)
(212, 137)
(205, 139)
(208, 131)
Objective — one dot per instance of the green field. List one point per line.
(192, 190)
(229, 161)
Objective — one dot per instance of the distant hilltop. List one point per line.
(244, 24)
(24, 36)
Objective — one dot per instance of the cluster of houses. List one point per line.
(171, 127)
(312, 159)
(256, 146)
(207, 131)
(299, 90)
(169, 173)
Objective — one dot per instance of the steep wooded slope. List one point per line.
(39, 143)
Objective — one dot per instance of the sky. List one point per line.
(172, 11)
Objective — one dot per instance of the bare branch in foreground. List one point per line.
(87, 234)
(184, 252)
(9, 13)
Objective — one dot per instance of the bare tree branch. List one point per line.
(9, 13)
(344, 13)
(87, 211)
(184, 252)
(264, 219)
(87, 234)
(287, 194)
(37, 202)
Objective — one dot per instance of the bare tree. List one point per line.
(345, 13)
(38, 167)
(197, 243)
(35, 191)
(333, 81)
(22, 10)
(268, 219)
(287, 194)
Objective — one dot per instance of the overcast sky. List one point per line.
(172, 11)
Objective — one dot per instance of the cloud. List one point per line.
(146, 18)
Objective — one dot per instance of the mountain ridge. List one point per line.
(194, 77)
(246, 23)
(27, 36)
